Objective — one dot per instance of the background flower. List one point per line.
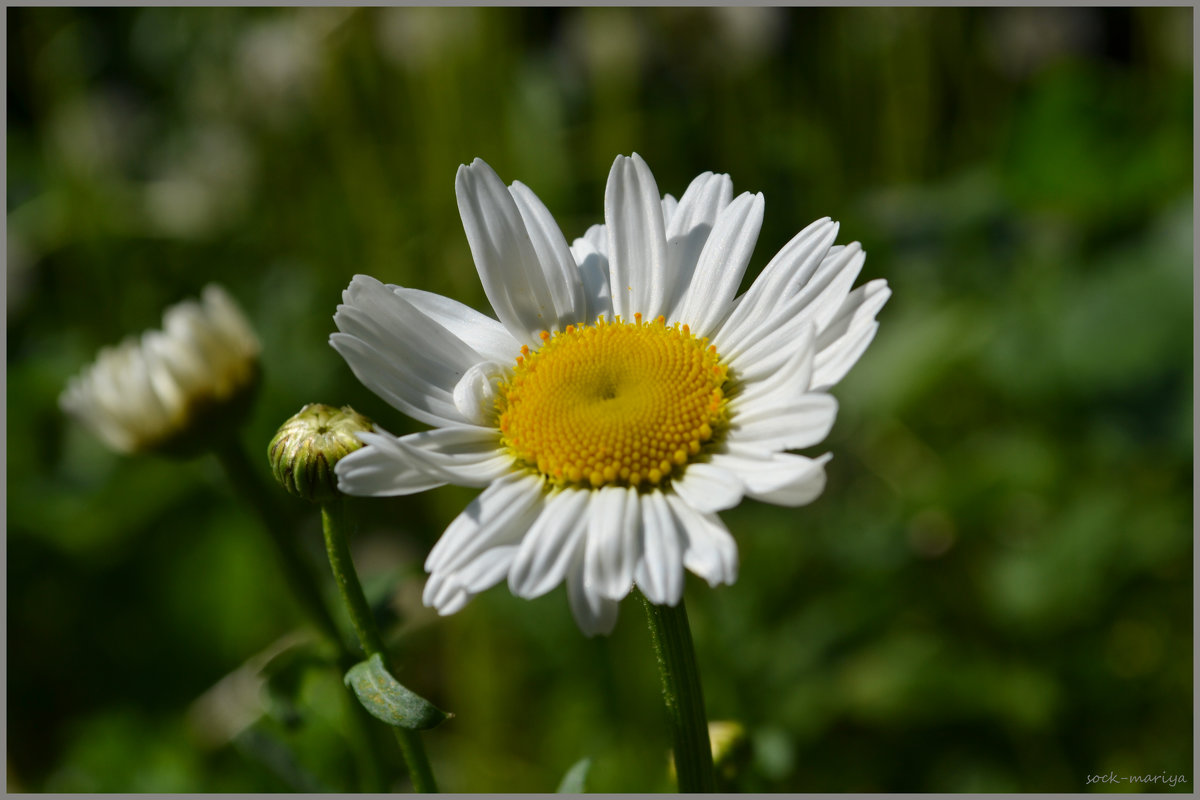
(995, 590)
(175, 389)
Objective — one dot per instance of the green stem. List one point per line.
(371, 762)
(340, 561)
(681, 691)
(301, 578)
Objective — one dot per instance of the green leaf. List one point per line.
(575, 781)
(385, 699)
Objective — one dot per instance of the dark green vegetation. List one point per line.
(994, 592)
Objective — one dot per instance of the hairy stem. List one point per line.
(333, 521)
(681, 692)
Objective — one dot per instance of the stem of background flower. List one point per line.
(681, 691)
(299, 574)
(333, 520)
(302, 580)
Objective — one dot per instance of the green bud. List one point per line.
(307, 446)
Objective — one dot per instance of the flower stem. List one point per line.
(340, 561)
(302, 579)
(681, 691)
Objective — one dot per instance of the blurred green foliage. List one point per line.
(993, 594)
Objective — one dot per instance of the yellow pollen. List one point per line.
(614, 403)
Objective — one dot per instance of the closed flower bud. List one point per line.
(307, 446)
(174, 390)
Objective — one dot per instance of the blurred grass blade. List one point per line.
(273, 753)
(575, 781)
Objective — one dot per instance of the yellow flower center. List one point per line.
(613, 403)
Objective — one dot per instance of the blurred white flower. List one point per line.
(165, 391)
(279, 59)
(611, 42)
(1020, 41)
(416, 38)
(202, 179)
(748, 34)
(97, 134)
(624, 396)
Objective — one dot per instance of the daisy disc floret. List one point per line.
(622, 396)
(613, 403)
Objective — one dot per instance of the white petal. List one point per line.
(228, 321)
(759, 343)
(705, 198)
(381, 469)
(688, 229)
(669, 204)
(397, 382)
(476, 392)
(594, 275)
(636, 239)
(708, 488)
(449, 592)
(514, 280)
(721, 266)
(478, 331)
(499, 515)
(839, 360)
(709, 551)
(759, 360)
(785, 479)
(550, 547)
(447, 597)
(802, 422)
(614, 539)
(660, 572)
(597, 235)
(187, 323)
(399, 353)
(790, 268)
(166, 371)
(594, 614)
(789, 377)
(438, 590)
(487, 569)
(823, 295)
(461, 455)
(558, 267)
(850, 331)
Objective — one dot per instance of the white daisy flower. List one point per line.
(165, 391)
(623, 396)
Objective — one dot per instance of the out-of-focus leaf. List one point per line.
(277, 757)
(284, 678)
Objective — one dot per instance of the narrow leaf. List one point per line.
(385, 699)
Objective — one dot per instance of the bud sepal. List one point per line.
(306, 448)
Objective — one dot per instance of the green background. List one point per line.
(994, 592)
